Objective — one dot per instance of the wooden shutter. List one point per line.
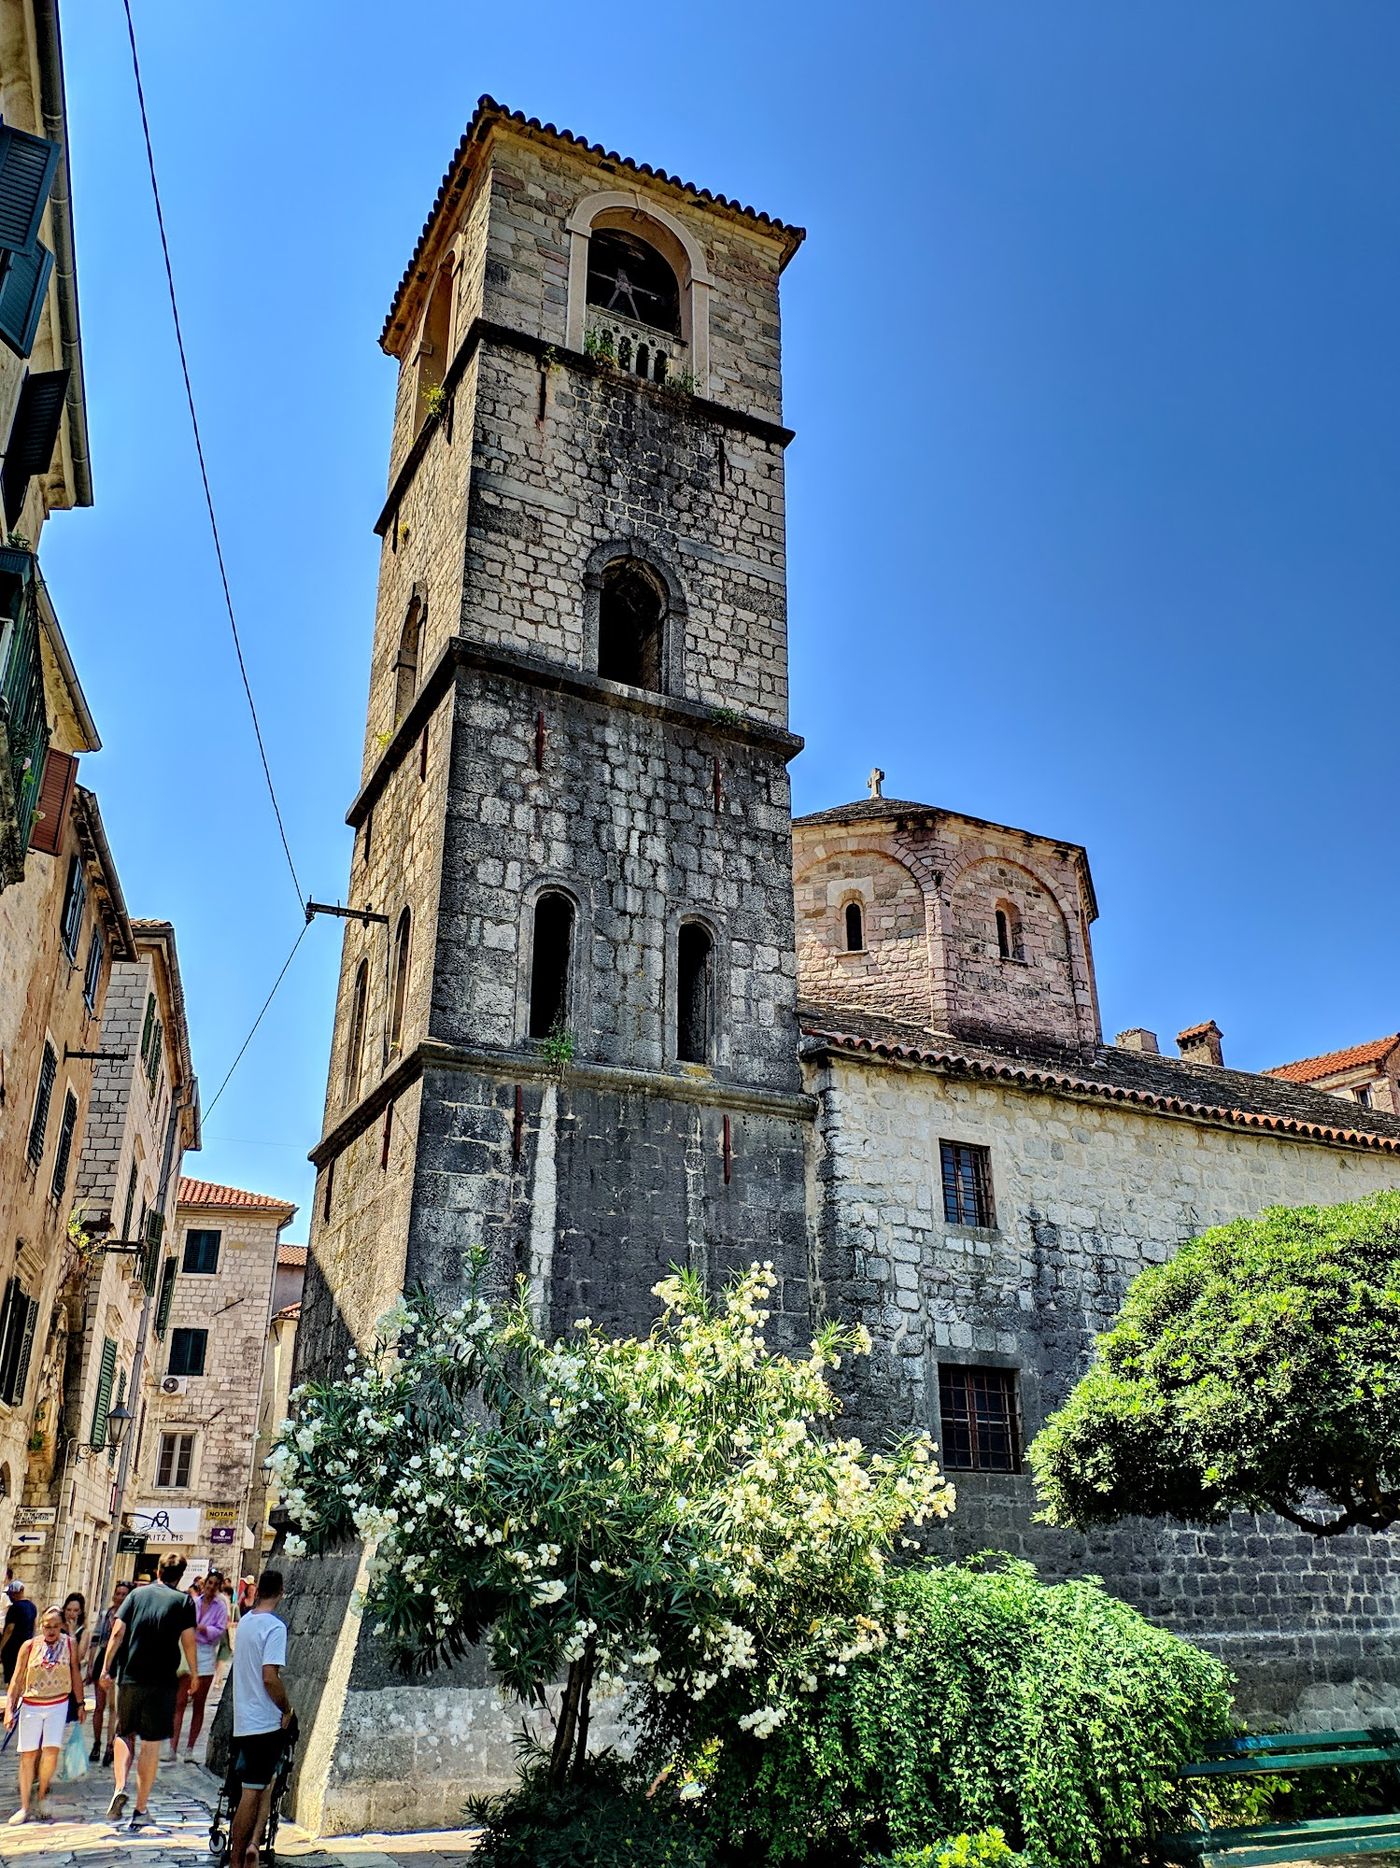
(22, 288)
(166, 1298)
(74, 901)
(104, 1394)
(150, 1257)
(146, 1028)
(33, 435)
(39, 1123)
(55, 795)
(26, 1349)
(27, 165)
(11, 1330)
(64, 1150)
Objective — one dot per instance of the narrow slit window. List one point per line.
(981, 1427)
(549, 964)
(402, 936)
(694, 993)
(355, 1041)
(406, 662)
(967, 1185)
(1009, 943)
(631, 616)
(855, 928)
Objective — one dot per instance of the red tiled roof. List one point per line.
(1309, 1069)
(293, 1257)
(291, 1314)
(1195, 1031)
(488, 111)
(210, 1193)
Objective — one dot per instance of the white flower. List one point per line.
(547, 1592)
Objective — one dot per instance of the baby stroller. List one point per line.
(230, 1792)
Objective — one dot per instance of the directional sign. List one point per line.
(29, 1540)
(34, 1517)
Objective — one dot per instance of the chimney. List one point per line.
(1200, 1044)
(1138, 1040)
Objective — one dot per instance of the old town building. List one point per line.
(195, 1486)
(1368, 1074)
(568, 1029)
(144, 1116)
(278, 1362)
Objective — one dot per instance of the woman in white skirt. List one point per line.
(46, 1673)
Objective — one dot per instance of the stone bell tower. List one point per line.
(569, 1033)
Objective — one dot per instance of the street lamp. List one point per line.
(118, 1420)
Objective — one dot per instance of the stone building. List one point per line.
(567, 1028)
(1368, 1074)
(194, 1476)
(278, 1362)
(144, 1116)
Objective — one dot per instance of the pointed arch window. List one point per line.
(355, 1038)
(853, 927)
(406, 661)
(631, 625)
(695, 968)
(403, 934)
(550, 954)
(1010, 945)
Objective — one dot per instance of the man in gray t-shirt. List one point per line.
(151, 1630)
(261, 1714)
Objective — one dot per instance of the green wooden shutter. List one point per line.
(33, 436)
(26, 1349)
(63, 1153)
(146, 1028)
(166, 1298)
(153, 1061)
(104, 1394)
(27, 165)
(150, 1257)
(130, 1206)
(38, 1127)
(22, 289)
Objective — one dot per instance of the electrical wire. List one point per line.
(206, 1113)
(203, 470)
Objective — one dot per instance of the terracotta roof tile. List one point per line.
(292, 1257)
(1309, 1069)
(210, 1193)
(488, 111)
(1196, 1031)
(1170, 1085)
(291, 1314)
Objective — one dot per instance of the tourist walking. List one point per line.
(261, 1714)
(45, 1678)
(19, 1626)
(150, 1631)
(101, 1635)
(210, 1627)
(75, 1623)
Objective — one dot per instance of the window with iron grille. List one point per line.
(967, 1185)
(201, 1252)
(74, 900)
(64, 1152)
(175, 1461)
(981, 1424)
(93, 975)
(187, 1349)
(39, 1121)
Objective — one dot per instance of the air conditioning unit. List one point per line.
(174, 1384)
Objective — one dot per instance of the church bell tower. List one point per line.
(571, 1037)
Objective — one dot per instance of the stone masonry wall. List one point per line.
(1086, 1194)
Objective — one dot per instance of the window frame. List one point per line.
(972, 1191)
(355, 1035)
(43, 1103)
(204, 1234)
(692, 925)
(92, 973)
(184, 1340)
(536, 1030)
(853, 905)
(969, 1381)
(179, 1443)
(63, 1153)
(70, 921)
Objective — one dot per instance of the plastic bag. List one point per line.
(72, 1756)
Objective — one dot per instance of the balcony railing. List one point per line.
(637, 349)
(24, 727)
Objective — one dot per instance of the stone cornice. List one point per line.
(529, 1067)
(459, 652)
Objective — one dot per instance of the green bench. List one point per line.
(1289, 1752)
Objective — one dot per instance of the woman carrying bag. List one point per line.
(46, 1676)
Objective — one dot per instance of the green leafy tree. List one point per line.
(1258, 1370)
(675, 1514)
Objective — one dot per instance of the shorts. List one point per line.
(145, 1711)
(41, 1727)
(256, 1757)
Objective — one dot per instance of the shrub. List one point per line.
(599, 1820)
(1054, 1712)
(987, 1849)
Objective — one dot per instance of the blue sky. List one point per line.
(1092, 358)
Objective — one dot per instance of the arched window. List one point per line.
(399, 983)
(549, 963)
(694, 993)
(631, 279)
(631, 623)
(406, 662)
(855, 928)
(1009, 943)
(432, 351)
(355, 1039)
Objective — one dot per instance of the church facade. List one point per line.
(608, 1009)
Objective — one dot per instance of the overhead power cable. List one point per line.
(203, 470)
(206, 1113)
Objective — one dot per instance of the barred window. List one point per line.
(967, 1185)
(981, 1426)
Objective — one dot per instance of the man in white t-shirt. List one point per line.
(261, 1714)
